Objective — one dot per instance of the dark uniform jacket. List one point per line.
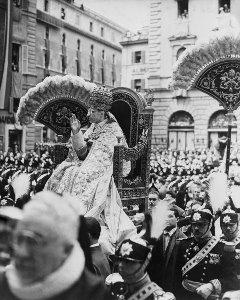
(100, 262)
(88, 287)
(216, 267)
(161, 268)
(234, 249)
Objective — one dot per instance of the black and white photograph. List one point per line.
(119, 149)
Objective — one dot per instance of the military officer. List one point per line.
(229, 222)
(229, 226)
(132, 259)
(204, 270)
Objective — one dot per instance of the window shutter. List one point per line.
(133, 57)
(24, 59)
(143, 57)
(132, 84)
(142, 83)
(11, 105)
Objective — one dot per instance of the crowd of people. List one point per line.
(67, 236)
(38, 166)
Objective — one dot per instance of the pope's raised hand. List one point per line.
(75, 124)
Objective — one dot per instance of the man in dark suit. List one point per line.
(99, 259)
(162, 264)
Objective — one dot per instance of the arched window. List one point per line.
(179, 52)
(181, 131)
(218, 127)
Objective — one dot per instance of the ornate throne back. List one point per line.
(135, 117)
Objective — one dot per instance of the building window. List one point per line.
(179, 52)
(63, 14)
(137, 57)
(17, 3)
(78, 44)
(15, 57)
(102, 32)
(16, 102)
(64, 53)
(103, 67)
(113, 70)
(78, 60)
(14, 140)
(91, 26)
(92, 64)
(45, 5)
(218, 130)
(137, 85)
(181, 131)
(47, 33)
(63, 38)
(183, 9)
(224, 6)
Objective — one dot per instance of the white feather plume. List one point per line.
(235, 195)
(21, 185)
(159, 218)
(218, 191)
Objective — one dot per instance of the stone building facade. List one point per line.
(135, 60)
(52, 38)
(185, 119)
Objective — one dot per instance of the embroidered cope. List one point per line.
(91, 181)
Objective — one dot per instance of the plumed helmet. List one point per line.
(133, 250)
(228, 216)
(204, 214)
(6, 201)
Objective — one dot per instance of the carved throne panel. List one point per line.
(135, 117)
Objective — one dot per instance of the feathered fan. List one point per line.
(21, 185)
(52, 88)
(195, 59)
(156, 222)
(218, 191)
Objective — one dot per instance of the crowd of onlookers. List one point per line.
(181, 179)
(171, 167)
(38, 166)
(165, 163)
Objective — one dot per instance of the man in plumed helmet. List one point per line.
(229, 222)
(132, 257)
(87, 171)
(204, 268)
